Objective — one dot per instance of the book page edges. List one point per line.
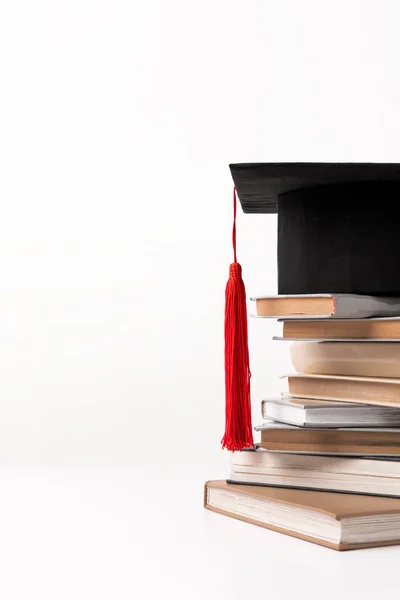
(334, 340)
(279, 296)
(390, 380)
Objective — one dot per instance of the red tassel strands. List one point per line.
(238, 427)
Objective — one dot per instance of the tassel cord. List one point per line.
(238, 427)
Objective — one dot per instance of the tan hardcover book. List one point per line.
(329, 306)
(337, 521)
(367, 390)
(350, 329)
(358, 441)
(347, 358)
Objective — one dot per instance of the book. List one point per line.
(367, 390)
(347, 358)
(385, 329)
(351, 475)
(337, 521)
(329, 306)
(320, 413)
(347, 441)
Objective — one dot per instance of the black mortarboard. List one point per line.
(338, 223)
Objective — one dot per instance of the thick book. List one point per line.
(378, 391)
(347, 358)
(347, 441)
(329, 306)
(337, 521)
(384, 329)
(348, 475)
(322, 413)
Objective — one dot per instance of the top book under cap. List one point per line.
(338, 223)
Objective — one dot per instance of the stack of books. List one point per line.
(327, 468)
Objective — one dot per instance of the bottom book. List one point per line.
(337, 521)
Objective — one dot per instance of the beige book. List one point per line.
(367, 390)
(346, 329)
(337, 521)
(347, 358)
(320, 440)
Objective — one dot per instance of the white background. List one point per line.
(118, 120)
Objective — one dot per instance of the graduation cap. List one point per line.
(338, 232)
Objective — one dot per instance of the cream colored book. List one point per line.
(337, 521)
(347, 358)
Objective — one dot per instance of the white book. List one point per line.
(329, 414)
(342, 474)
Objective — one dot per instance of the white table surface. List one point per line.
(135, 533)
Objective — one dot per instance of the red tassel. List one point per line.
(238, 427)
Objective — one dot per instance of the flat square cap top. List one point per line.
(258, 185)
